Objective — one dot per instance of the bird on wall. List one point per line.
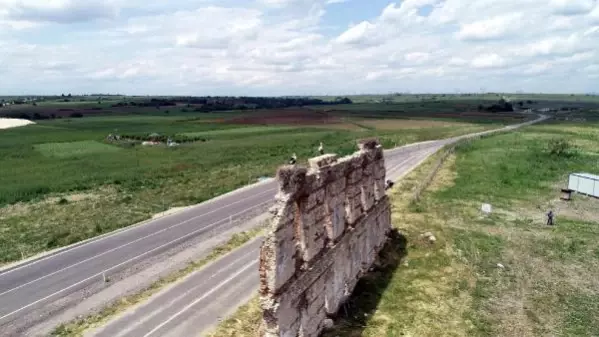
(293, 159)
(321, 149)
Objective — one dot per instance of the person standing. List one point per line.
(550, 218)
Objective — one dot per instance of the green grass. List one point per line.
(548, 283)
(241, 131)
(110, 187)
(74, 149)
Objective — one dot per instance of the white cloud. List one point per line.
(60, 11)
(358, 34)
(488, 61)
(493, 28)
(272, 47)
(571, 7)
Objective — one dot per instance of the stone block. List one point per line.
(336, 187)
(353, 209)
(356, 160)
(336, 217)
(367, 193)
(339, 169)
(355, 176)
(313, 182)
(317, 289)
(314, 199)
(312, 237)
(379, 173)
(335, 287)
(368, 170)
(290, 330)
(352, 191)
(282, 319)
(322, 161)
(312, 317)
(291, 180)
(282, 214)
(368, 144)
(285, 257)
(379, 189)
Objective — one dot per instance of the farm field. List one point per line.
(65, 182)
(502, 274)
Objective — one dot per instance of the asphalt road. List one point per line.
(27, 287)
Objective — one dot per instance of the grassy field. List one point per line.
(503, 274)
(64, 183)
(506, 274)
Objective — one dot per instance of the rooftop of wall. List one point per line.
(296, 181)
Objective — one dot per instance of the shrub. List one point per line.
(560, 147)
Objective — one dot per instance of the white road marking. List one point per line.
(396, 167)
(187, 307)
(150, 316)
(131, 259)
(117, 232)
(142, 238)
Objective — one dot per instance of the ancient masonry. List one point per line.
(328, 224)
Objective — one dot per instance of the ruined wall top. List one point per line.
(328, 223)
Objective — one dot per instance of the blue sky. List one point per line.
(284, 47)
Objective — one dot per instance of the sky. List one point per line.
(297, 47)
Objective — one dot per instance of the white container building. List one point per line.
(584, 183)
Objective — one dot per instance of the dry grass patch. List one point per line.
(244, 323)
(425, 293)
(503, 274)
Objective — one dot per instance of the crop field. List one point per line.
(74, 149)
(241, 131)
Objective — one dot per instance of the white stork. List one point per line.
(293, 159)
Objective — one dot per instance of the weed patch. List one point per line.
(74, 149)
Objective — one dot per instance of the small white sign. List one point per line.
(486, 208)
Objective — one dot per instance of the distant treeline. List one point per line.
(198, 104)
(38, 116)
(206, 104)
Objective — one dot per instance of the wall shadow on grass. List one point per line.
(353, 315)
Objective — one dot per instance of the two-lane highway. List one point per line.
(34, 284)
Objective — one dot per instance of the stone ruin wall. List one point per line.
(328, 224)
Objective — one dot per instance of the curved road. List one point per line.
(27, 287)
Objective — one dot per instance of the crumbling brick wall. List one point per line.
(328, 224)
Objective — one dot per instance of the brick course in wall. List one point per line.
(329, 222)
